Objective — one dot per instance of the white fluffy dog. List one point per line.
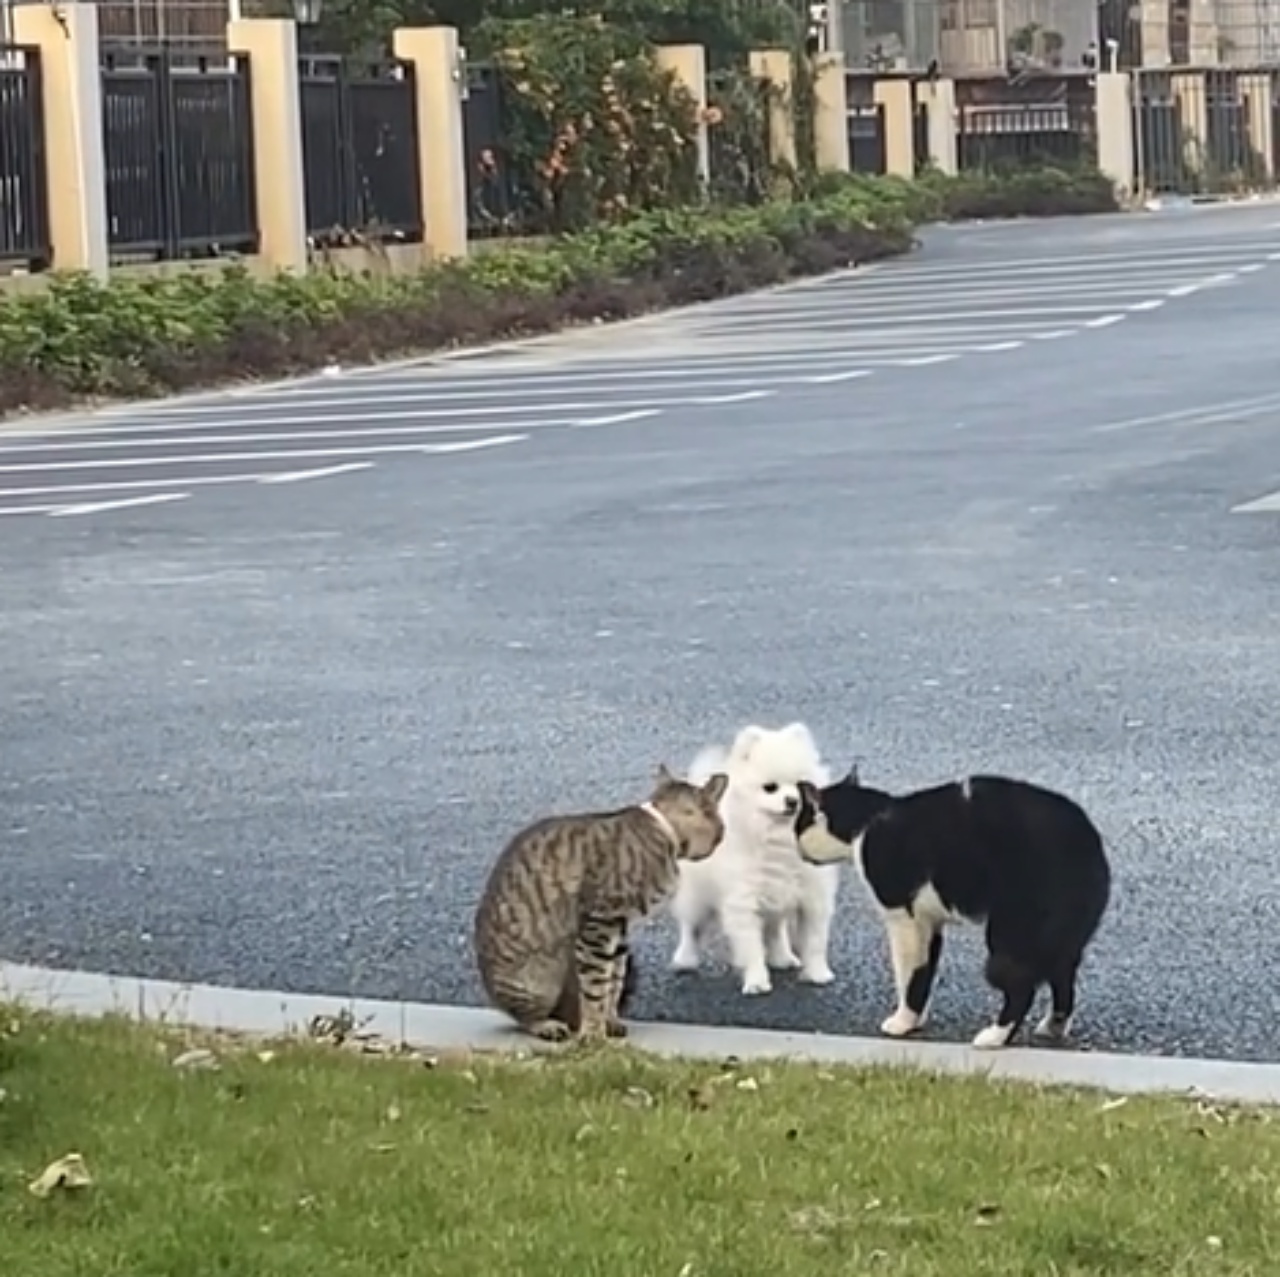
(773, 908)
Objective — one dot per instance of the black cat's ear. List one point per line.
(852, 777)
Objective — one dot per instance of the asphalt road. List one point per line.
(283, 669)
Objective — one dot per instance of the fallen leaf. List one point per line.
(1213, 1243)
(66, 1172)
(1119, 1102)
(382, 1148)
(199, 1058)
(1104, 1170)
(583, 1133)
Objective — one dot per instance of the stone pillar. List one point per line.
(1115, 131)
(831, 122)
(773, 66)
(271, 46)
(66, 39)
(688, 64)
(895, 97)
(939, 98)
(439, 75)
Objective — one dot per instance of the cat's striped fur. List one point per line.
(551, 928)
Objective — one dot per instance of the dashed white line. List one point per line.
(710, 400)
(1152, 303)
(1103, 321)
(926, 360)
(1055, 335)
(617, 418)
(29, 509)
(996, 346)
(1185, 290)
(472, 445)
(125, 503)
(830, 378)
(300, 476)
(1270, 504)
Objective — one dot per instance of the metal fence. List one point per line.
(24, 210)
(360, 150)
(1003, 124)
(1205, 131)
(178, 144)
(493, 201)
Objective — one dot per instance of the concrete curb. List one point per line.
(443, 1027)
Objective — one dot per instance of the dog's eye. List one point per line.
(771, 788)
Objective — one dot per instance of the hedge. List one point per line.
(144, 336)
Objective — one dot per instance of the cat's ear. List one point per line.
(852, 777)
(715, 786)
(664, 776)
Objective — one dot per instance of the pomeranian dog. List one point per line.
(774, 909)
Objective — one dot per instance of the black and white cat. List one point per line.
(1024, 861)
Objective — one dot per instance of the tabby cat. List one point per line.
(551, 928)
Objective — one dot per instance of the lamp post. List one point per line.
(306, 13)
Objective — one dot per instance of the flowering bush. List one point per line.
(594, 129)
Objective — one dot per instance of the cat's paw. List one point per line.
(900, 1024)
(551, 1031)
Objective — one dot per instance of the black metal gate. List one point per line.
(178, 144)
(24, 202)
(360, 149)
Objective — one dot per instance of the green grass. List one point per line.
(318, 1162)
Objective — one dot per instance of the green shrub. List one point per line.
(141, 336)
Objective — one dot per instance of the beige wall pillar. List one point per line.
(1204, 33)
(71, 80)
(831, 116)
(688, 64)
(439, 71)
(899, 128)
(271, 46)
(1115, 131)
(773, 66)
(939, 98)
(1255, 90)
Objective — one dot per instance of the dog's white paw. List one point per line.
(782, 959)
(817, 973)
(755, 983)
(1051, 1029)
(900, 1023)
(993, 1037)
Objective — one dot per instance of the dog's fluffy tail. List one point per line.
(707, 761)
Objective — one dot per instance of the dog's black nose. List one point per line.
(792, 805)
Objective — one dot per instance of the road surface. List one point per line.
(283, 669)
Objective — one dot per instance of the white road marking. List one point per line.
(830, 378)
(1000, 345)
(472, 445)
(29, 509)
(125, 503)
(1104, 321)
(1054, 334)
(617, 418)
(925, 360)
(1270, 504)
(1205, 414)
(1152, 303)
(709, 400)
(300, 476)
(1252, 268)
(1185, 290)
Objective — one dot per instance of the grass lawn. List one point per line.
(310, 1161)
